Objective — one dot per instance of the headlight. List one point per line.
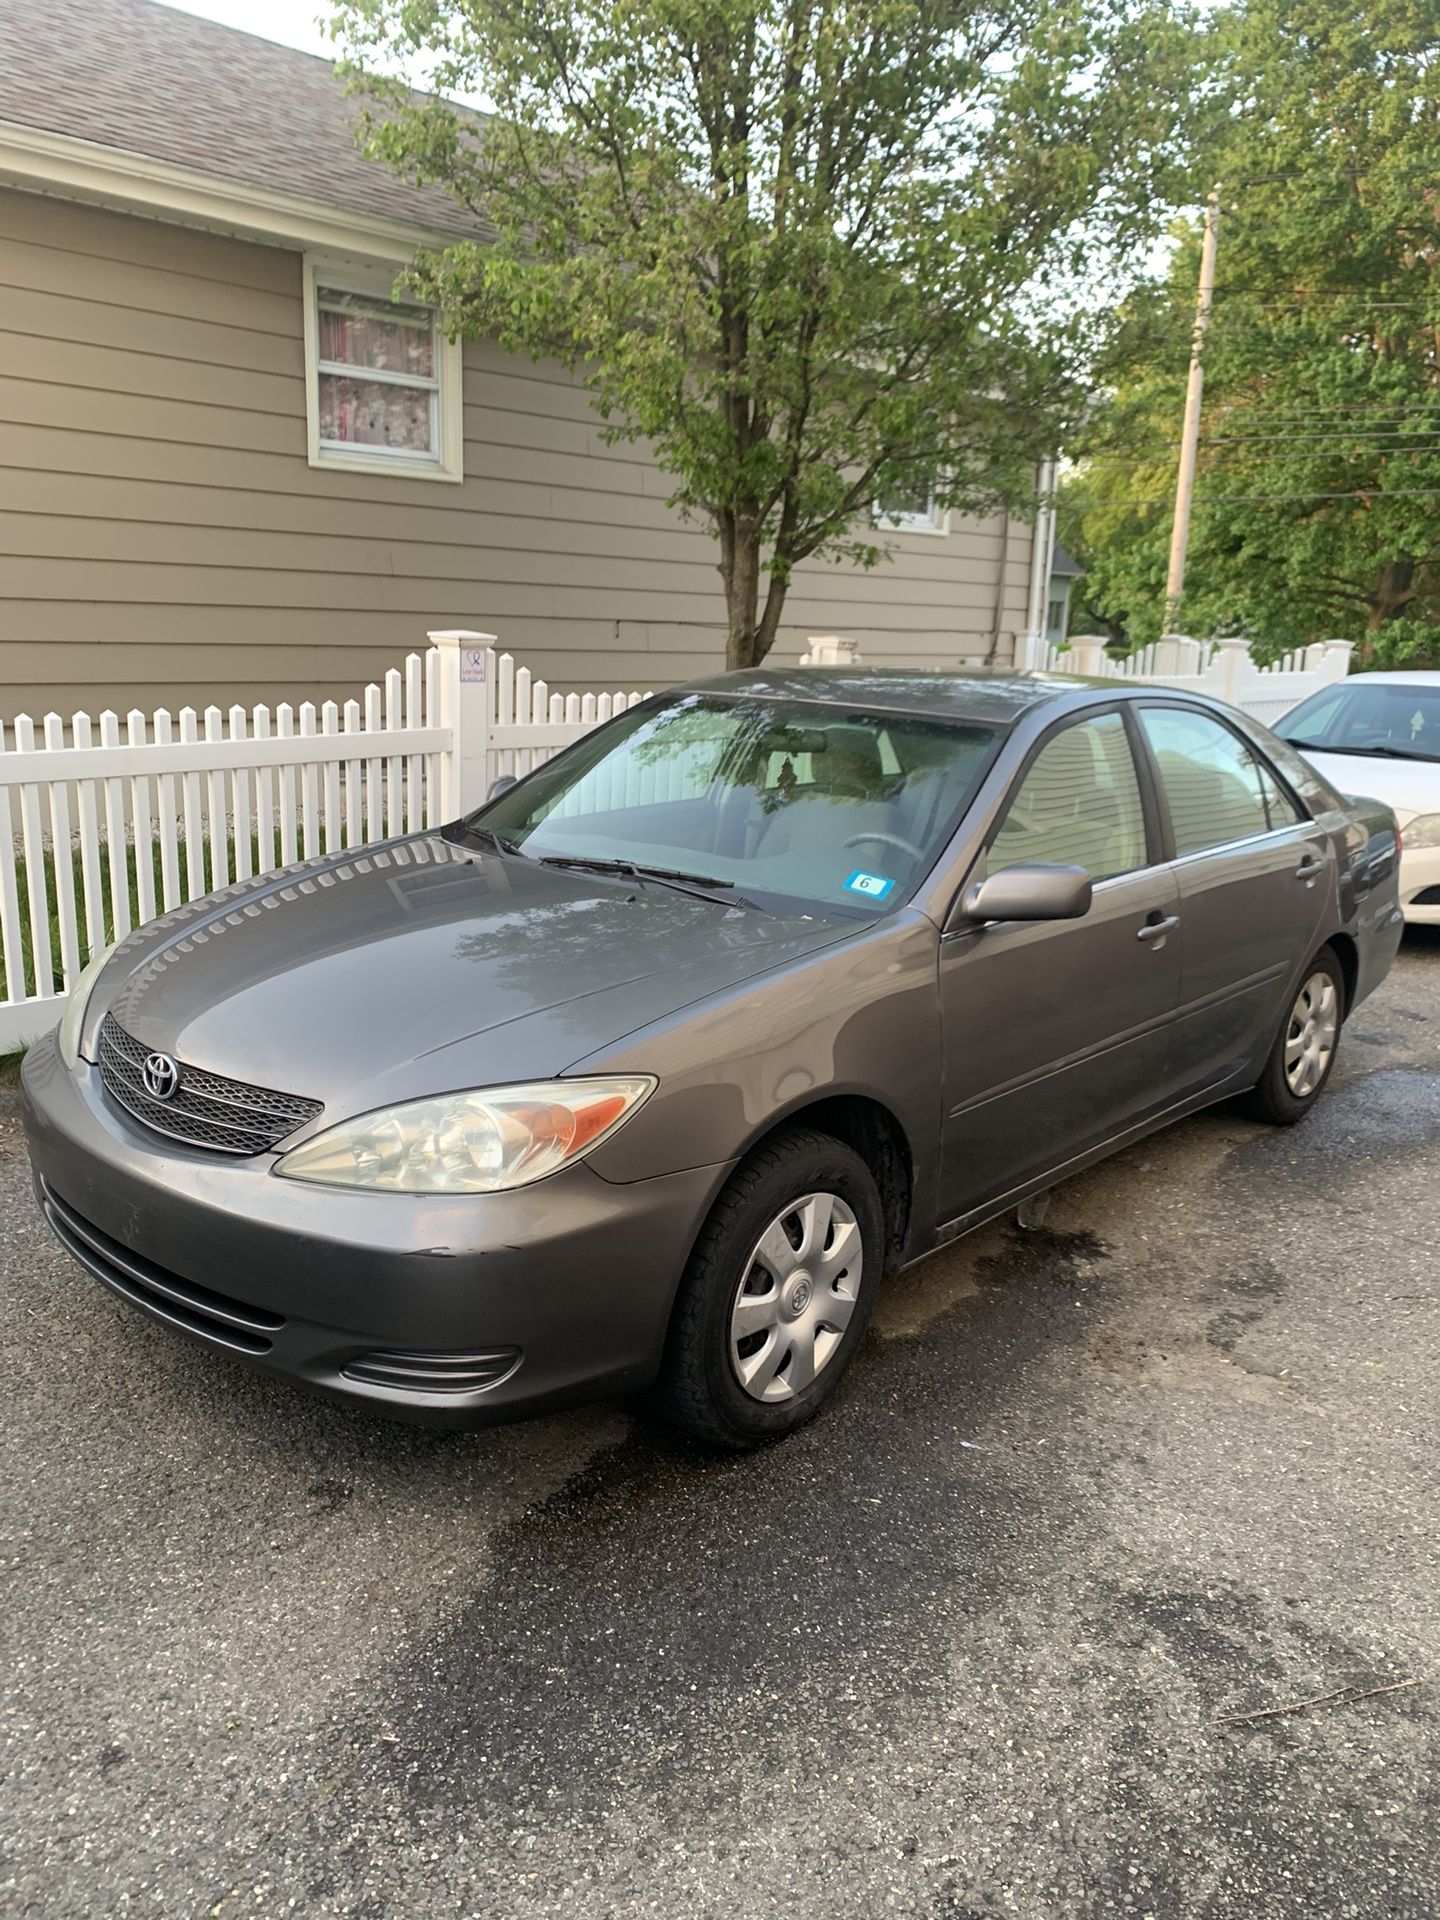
(470, 1142)
(1423, 831)
(76, 1002)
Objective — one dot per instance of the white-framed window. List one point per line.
(912, 510)
(382, 382)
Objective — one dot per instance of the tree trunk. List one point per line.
(751, 630)
(1391, 593)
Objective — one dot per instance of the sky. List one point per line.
(291, 22)
(294, 23)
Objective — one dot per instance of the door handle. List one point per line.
(1157, 929)
(1310, 868)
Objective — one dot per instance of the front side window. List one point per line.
(1077, 805)
(796, 805)
(1215, 786)
(383, 380)
(1387, 718)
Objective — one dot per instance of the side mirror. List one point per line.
(502, 785)
(1029, 893)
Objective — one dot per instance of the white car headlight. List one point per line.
(470, 1142)
(1422, 831)
(76, 1001)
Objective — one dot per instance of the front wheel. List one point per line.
(777, 1294)
(1304, 1051)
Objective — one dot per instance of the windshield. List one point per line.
(1386, 718)
(793, 805)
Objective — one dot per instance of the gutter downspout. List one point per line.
(1042, 555)
(1001, 575)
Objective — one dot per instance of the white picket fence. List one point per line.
(1222, 668)
(105, 824)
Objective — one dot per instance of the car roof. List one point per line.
(996, 699)
(1396, 677)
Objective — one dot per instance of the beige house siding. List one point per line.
(163, 537)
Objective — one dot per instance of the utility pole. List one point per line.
(1190, 430)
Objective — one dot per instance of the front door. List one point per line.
(1056, 1033)
(1255, 874)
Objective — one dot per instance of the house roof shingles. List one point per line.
(150, 80)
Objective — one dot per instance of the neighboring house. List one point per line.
(233, 468)
(1064, 572)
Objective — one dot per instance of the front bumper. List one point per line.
(453, 1310)
(1420, 884)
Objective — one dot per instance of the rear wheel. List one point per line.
(777, 1294)
(1304, 1051)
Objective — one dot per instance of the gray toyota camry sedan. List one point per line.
(647, 1074)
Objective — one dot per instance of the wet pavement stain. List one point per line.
(621, 1633)
(1367, 1118)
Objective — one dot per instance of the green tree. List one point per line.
(1318, 495)
(815, 252)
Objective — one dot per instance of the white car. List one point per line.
(1379, 734)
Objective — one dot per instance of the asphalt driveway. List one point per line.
(963, 1648)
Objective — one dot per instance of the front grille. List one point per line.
(197, 1309)
(206, 1110)
(434, 1372)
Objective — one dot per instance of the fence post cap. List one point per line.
(1347, 647)
(459, 637)
(1236, 642)
(830, 650)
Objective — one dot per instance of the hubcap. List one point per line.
(1310, 1036)
(795, 1298)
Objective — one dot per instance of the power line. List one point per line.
(1290, 296)
(1369, 442)
(1354, 406)
(1351, 176)
(1333, 433)
(1248, 499)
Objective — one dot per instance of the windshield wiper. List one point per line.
(497, 840)
(696, 884)
(1368, 753)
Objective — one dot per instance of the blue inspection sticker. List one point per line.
(874, 886)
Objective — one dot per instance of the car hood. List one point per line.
(422, 966)
(1407, 786)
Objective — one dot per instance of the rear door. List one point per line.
(1056, 1033)
(1255, 875)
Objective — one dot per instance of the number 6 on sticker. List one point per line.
(874, 886)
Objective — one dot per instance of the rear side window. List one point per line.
(1078, 805)
(1216, 787)
(1280, 809)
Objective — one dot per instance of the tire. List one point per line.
(1284, 1094)
(805, 1186)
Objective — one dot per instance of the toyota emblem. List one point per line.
(160, 1075)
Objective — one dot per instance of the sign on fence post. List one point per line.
(466, 682)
